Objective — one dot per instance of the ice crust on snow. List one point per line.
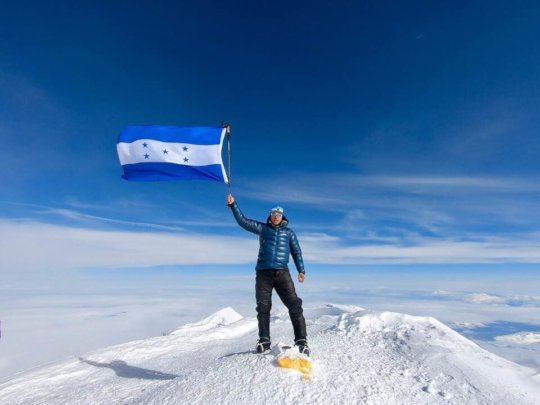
(359, 356)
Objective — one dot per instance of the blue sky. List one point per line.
(401, 138)
(393, 133)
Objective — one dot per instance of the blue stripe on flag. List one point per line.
(191, 135)
(160, 171)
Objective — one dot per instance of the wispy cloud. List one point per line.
(121, 204)
(440, 205)
(451, 184)
(203, 216)
(320, 248)
(466, 139)
(39, 246)
(377, 219)
(323, 188)
(93, 219)
(26, 95)
(35, 246)
(42, 213)
(490, 299)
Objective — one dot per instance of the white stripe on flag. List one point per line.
(157, 151)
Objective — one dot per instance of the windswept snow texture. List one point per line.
(359, 357)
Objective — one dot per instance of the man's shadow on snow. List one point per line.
(122, 369)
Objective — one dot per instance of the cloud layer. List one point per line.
(36, 246)
(31, 245)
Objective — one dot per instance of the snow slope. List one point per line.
(359, 357)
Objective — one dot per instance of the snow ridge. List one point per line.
(359, 356)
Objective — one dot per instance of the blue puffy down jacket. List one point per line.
(276, 243)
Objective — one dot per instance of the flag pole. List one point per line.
(227, 127)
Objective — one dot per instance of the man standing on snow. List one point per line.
(276, 243)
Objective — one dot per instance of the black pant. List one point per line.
(267, 280)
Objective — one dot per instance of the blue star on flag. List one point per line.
(146, 155)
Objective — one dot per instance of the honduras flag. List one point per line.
(156, 153)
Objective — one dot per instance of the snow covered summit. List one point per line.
(359, 357)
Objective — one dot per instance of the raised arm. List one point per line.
(246, 223)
